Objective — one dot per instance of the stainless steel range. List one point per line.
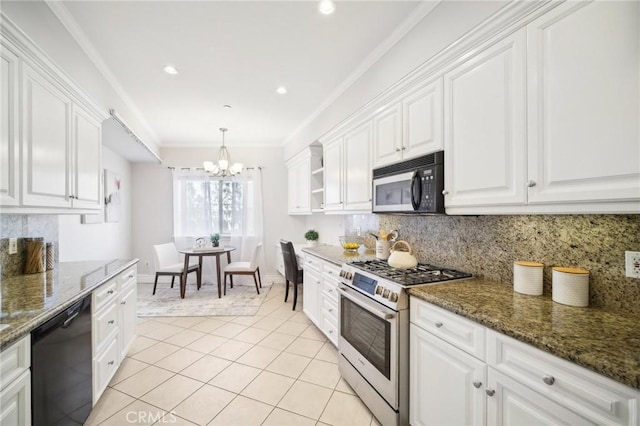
(374, 332)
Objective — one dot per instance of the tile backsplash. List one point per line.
(24, 226)
(488, 245)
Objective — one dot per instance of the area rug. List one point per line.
(242, 299)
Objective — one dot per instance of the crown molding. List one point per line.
(407, 24)
(67, 20)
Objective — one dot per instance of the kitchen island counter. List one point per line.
(28, 301)
(606, 342)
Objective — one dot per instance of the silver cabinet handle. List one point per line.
(330, 310)
(131, 275)
(548, 380)
(403, 148)
(477, 384)
(111, 322)
(124, 302)
(111, 362)
(110, 292)
(397, 149)
(445, 192)
(439, 324)
(531, 183)
(490, 392)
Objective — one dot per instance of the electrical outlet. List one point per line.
(632, 264)
(13, 245)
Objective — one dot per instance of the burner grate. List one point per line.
(421, 274)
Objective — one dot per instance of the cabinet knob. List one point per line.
(490, 392)
(438, 324)
(111, 362)
(111, 322)
(477, 384)
(110, 292)
(445, 192)
(397, 149)
(403, 148)
(131, 275)
(124, 302)
(531, 183)
(548, 380)
(330, 310)
(330, 331)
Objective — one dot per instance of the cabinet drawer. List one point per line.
(312, 262)
(597, 398)
(331, 271)
(15, 360)
(329, 289)
(105, 326)
(330, 309)
(126, 278)
(460, 332)
(104, 294)
(329, 328)
(104, 367)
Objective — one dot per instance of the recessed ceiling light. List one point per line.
(327, 7)
(169, 69)
(226, 106)
(281, 90)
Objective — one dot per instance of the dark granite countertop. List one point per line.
(603, 341)
(337, 255)
(30, 300)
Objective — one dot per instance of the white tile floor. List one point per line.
(274, 368)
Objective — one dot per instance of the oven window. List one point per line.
(368, 334)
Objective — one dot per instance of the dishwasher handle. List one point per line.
(62, 320)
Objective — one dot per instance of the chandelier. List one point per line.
(223, 167)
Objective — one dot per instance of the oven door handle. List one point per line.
(365, 305)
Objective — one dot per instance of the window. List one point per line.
(204, 205)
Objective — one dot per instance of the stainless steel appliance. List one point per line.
(374, 332)
(413, 186)
(61, 367)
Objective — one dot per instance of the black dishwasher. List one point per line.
(61, 367)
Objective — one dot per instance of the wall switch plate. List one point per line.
(13, 245)
(632, 264)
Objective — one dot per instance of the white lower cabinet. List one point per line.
(321, 295)
(15, 383)
(113, 310)
(311, 303)
(512, 383)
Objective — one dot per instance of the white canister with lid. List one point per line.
(527, 277)
(382, 249)
(571, 286)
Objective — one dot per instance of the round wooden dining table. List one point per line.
(200, 253)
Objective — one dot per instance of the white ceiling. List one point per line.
(236, 53)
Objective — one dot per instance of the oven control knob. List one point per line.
(379, 290)
(342, 273)
(393, 297)
(349, 276)
(385, 293)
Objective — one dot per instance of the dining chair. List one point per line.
(292, 272)
(168, 262)
(244, 268)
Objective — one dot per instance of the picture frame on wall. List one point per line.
(112, 188)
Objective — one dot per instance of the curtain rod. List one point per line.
(131, 133)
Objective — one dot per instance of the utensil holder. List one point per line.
(382, 249)
(527, 277)
(50, 256)
(35, 255)
(570, 286)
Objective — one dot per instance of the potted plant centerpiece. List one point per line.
(215, 240)
(312, 237)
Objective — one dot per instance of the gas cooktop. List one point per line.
(421, 274)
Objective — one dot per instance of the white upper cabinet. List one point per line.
(9, 122)
(583, 106)
(357, 169)
(422, 118)
(347, 171)
(485, 133)
(299, 189)
(87, 144)
(46, 147)
(410, 128)
(387, 136)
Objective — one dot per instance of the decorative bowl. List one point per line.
(351, 242)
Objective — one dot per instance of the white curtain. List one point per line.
(191, 206)
(250, 231)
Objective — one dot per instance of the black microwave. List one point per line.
(411, 187)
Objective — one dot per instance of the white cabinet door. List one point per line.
(9, 139)
(511, 403)
(15, 402)
(292, 189)
(387, 136)
(333, 157)
(357, 169)
(422, 116)
(127, 319)
(46, 143)
(443, 383)
(311, 295)
(583, 107)
(485, 134)
(87, 169)
(304, 188)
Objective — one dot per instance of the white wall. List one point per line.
(446, 23)
(101, 241)
(153, 199)
(37, 20)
